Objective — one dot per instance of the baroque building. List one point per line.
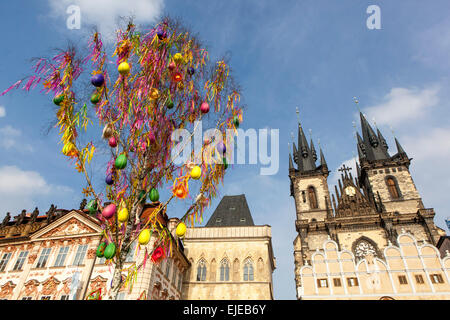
(373, 238)
(231, 258)
(53, 257)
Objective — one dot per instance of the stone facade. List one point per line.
(55, 259)
(236, 248)
(366, 216)
(409, 272)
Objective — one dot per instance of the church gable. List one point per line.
(71, 225)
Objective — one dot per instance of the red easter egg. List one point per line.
(204, 108)
(112, 142)
(151, 137)
(172, 65)
(109, 211)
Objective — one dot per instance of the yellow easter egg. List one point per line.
(178, 57)
(154, 93)
(144, 236)
(124, 68)
(123, 215)
(181, 230)
(196, 173)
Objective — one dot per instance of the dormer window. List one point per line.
(219, 220)
(242, 219)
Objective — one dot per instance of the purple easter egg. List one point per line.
(221, 148)
(97, 80)
(191, 71)
(109, 179)
(161, 33)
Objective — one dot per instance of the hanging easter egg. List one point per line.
(121, 162)
(196, 173)
(154, 195)
(154, 93)
(98, 80)
(109, 179)
(112, 142)
(142, 196)
(180, 230)
(157, 254)
(92, 206)
(170, 104)
(109, 211)
(107, 131)
(221, 148)
(122, 216)
(180, 85)
(110, 251)
(191, 71)
(124, 68)
(178, 58)
(95, 98)
(236, 121)
(101, 250)
(151, 137)
(58, 99)
(144, 237)
(161, 34)
(225, 163)
(172, 66)
(204, 108)
(177, 77)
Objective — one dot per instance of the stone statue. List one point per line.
(83, 204)
(51, 213)
(21, 217)
(34, 215)
(6, 219)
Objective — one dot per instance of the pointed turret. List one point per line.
(400, 149)
(305, 158)
(313, 151)
(291, 164)
(295, 152)
(374, 149)
(323, 162)
(384, 145)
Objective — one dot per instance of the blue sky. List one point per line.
(315, 55)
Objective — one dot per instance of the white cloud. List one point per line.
(2, 112)
(403, 105)
(105, 13)
(23, 189)
(10, 138)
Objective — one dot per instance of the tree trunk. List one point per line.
(117, 276)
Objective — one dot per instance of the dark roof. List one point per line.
(232, 211)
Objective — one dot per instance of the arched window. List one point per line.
(201, 270)
(393, 188)
(224, 270)
(312, 198)
(248, 270)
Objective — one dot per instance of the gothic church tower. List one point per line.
(367, 213)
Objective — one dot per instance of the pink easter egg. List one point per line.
(112, 142)
(109, 211)
(204, 108)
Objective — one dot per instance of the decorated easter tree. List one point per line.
(155, 82)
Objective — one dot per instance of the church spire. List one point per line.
(305, 158)
(374, 149)
(323, 162)
(400, 149)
